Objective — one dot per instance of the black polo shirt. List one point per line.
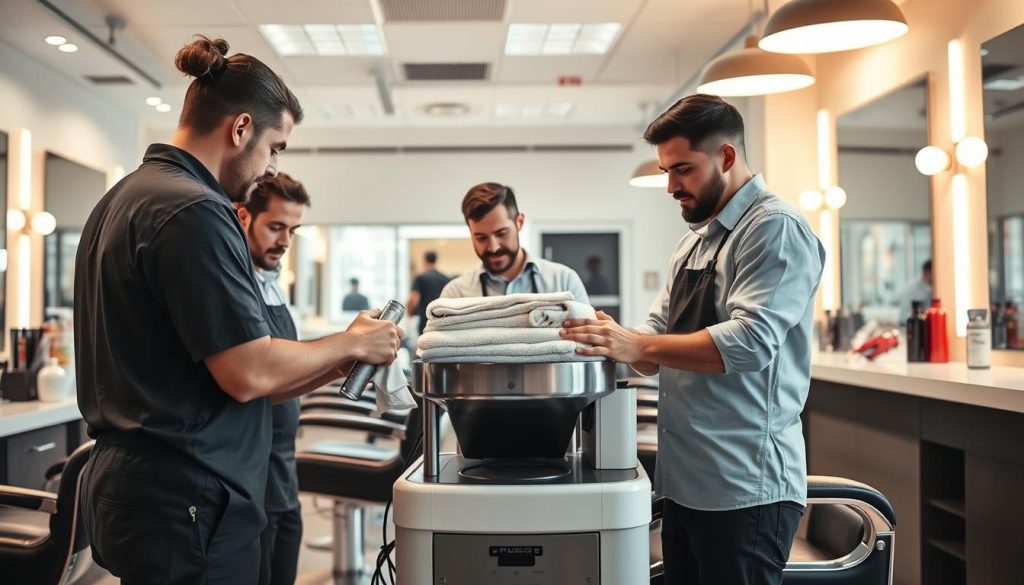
(163, 280)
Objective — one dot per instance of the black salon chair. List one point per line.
(354, 474)
(42, 539)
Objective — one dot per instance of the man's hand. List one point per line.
(608, 338)
(375, 340)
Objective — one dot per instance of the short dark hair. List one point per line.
(282, 186)
(481, 199)
(354, 281)
(696, 118)
(927, 266)
(430, 257)
(228, 86)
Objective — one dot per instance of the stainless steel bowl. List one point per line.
(514, 410)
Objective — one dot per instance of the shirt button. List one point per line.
(663, 431)
(664, 394)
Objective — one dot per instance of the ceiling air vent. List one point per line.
(446, 71)
(106, 80)
(442, 10)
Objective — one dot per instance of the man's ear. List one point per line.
(520, 220)
(245, 217)
(241, 129)
(728, 157)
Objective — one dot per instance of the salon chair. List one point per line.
(42, 539)
(354, 475)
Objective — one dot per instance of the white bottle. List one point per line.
(51, 383)
(979, 339)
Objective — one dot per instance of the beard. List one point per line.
(707, 200)
(491, 259)
(237, 181)
(262, 259)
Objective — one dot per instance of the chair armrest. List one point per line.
(342, 404)
(824, 487)
(27, 499)
(637, 382)
(352, 423)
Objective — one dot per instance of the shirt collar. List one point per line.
(528, 267)
(735, 208)
(184, 160)
(265, 276)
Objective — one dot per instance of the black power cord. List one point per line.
(386, 548)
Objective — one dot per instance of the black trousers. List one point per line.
(280, 541)
(156, 517)
(748, 546)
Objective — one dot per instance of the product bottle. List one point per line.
(828, 333)
(938, 335)
(979, 339)
(1012, 340)
(917, 335)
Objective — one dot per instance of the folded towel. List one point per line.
(547, 351)
(481, 340)
(514, 359)
(554, 317)
(504, 311)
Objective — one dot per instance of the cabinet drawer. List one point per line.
(30, 454)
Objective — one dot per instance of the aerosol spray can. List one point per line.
(360, 374)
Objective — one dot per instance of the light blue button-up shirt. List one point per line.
(734, 440)
(549, 277)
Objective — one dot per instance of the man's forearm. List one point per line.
(695, 352)
(319, 382)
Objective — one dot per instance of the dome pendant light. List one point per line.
(825, 26)
(649, 174)
(751, 71)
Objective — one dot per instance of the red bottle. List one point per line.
(938, 335)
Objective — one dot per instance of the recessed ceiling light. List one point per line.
(68, 47)
(325, 40)
(446, 109)
(564, 38)
(163, 107)
(55, 40)
(534, 110)
(153, 101)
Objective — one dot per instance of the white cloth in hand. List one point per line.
(392, 389)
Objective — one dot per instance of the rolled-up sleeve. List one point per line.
(778, 267)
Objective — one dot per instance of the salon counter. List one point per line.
(34, 436)
(946, 446)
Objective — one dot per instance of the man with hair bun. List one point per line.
(177, 365)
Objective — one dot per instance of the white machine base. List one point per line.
(534, 534)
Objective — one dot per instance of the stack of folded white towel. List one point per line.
(516, 328)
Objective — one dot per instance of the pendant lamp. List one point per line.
(751, 71)
(825, 26)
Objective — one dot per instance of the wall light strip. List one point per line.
(961, 253)
(957, 123)
(24, 168)
(24, 300)
(828, 285)
(824, 150)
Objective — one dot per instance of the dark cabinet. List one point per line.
(29, 455)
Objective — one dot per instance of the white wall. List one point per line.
(565, 188)
(66, 118)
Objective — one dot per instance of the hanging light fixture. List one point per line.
(752, 71)
(649, 174)
(825, 26)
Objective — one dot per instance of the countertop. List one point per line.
(19, 417)
(999, 387)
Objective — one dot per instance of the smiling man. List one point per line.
(494, 221)
(731, 334)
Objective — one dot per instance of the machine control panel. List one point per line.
(517, 559)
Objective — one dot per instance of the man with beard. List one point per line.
(175, 358)
(270, 219)
(494, 221)
(731, 333)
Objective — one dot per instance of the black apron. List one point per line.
(691, 306)
(282, 484)
(533, 283)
